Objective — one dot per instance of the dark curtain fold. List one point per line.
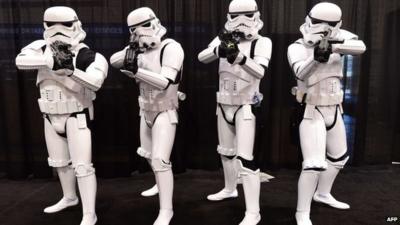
(373, 108)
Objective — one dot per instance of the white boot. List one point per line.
(251, 218)
(303, 218)
(325, 184)
(330, 200)
(306, 187)
(223, 194)
(62, 204)
(251, 188)
(150, 192)
(67, 179)
(164, 217)
(87, 188)
(153, 190)
(165, 182)
(230, 178)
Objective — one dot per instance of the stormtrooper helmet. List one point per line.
(62, 24)
(244, 17)
(324, 19)
(146, 27)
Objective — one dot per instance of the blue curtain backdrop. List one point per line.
(372, 102)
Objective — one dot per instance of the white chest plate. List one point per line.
(236, 86)
(323, 86)
(152, 98)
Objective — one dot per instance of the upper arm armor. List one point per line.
(263, 51)
(347, 35)
(260, 55)
(351, 44)
(95, 73)
(172, 58)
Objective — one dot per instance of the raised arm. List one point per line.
(350, 46)
(300, 63)
(210, 54)
(117, 59)
(32, 57)
(262, 55)
(172, 62)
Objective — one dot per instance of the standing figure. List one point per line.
(316, 60)
(69, 73)
(155, 63)
(243, 59)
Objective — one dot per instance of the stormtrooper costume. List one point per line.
(156, 68)
(316, 60)
(67, 90)
(241, 67)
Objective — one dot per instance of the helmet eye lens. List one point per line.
(132, 29)
(50, 24)
(250, 15)
(233, 16)
(67, 24)
(146, 24)
(330, 23)
(333, 24)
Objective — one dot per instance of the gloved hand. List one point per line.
(131, 61)
(322, 55)
(62, 56)
(229, 50)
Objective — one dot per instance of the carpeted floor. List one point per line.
(373, 193)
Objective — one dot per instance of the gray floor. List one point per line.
(373, 193)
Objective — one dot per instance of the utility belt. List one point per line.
(54, 102)
(158, 105)
(324, 99)
(61, 107)
(318, 99)
(239, 99)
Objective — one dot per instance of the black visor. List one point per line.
(317, 21)
(65, 24)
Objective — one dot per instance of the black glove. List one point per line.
(62, 56)
(322, 55)
(131, 61)
(228, 50)
(229, 45)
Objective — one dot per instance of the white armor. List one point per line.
(147, 27)
(158, 77)
(62, 24)
(239, 84)
(244, 17)
(66, 102)
(238, 92)
(322, 131)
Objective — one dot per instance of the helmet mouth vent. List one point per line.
(61, 34)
